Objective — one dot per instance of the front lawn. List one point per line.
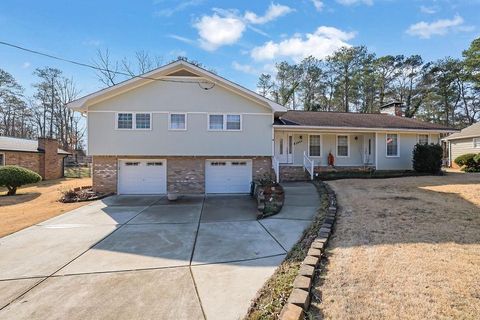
(36, 203)
(404, 248)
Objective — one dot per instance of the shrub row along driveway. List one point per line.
(141, 257)
(406, 248)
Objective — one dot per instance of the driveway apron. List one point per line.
(144, 257)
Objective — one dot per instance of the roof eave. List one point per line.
(301, 127)
(462, 137)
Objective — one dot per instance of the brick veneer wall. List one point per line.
(185, 175)
(29, 160)
(35, 161)
(50, 162)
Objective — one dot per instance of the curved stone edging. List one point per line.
(299, 300)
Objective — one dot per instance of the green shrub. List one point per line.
(477, 158)
(465, 160)
(469, 162)
(13, 177)
(427, 158)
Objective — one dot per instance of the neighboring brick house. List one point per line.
(42, 156)
(183, 129)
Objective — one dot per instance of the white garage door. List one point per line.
(142, 176)
(228, 176)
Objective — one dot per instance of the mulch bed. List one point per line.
(82, 194)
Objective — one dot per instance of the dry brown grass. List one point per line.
(36, 203)
(405, 248)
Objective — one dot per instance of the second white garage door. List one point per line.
(228, 176)
(142, 176)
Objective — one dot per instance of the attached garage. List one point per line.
(228, 176)
(137, 176)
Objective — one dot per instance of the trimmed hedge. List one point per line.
(427, 158)
(13, 177)
(469, 162)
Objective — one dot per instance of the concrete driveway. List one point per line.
(143, 257)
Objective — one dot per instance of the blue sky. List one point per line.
(239, 39)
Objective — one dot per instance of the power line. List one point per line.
(86, 65)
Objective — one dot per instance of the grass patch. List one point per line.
(376, 174)
(274, 294)
(403, 248)
(77, 172)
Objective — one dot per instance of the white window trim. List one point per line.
(224, 115)
(208, 121)
(321, 145)
(116, 120)
(423, 134)
(4, 159)
(398, 146)
(478, 143)
(233, 114)
(170, 121)
(134, 121)
(348, 146)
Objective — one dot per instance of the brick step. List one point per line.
(293, 173)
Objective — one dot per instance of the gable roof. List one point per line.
(178, 68)
(22, 145)
(322, 119)
(469, 132)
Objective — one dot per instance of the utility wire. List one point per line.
(86, 65)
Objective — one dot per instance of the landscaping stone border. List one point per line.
(299, 300)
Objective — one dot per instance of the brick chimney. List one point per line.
(393, 108)
(49, 160)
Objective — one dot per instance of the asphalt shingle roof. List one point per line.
(354, 120)
(471, 131)
(23, 145)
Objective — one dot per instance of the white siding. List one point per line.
(161, 98)
(181, 97)
(462, 146)
(407, 142)
(329, 144)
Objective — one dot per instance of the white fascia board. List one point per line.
(356, 129)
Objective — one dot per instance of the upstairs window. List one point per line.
(342, 146)
(215, 122)
(233, 122)
(225, 122)
(392, 145)
(178, 121)
(423, 139)
(314, 146)
(132, 120)
(125, 121)
(142, 121)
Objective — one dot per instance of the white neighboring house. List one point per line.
(182, 129)
(463, 142)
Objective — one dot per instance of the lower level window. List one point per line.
(342, 146)
(2, 159)
(314, 146)
(392, 145)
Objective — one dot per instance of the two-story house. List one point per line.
(182, 129)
